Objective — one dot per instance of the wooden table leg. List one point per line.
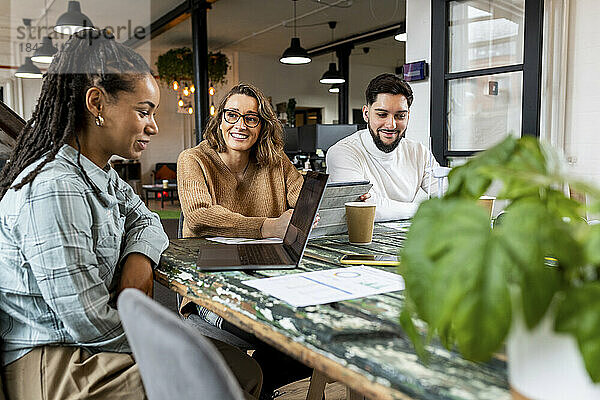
(353, 394)
(318, 380)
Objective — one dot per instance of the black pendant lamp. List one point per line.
(28, 70)
(332, 76)
(334, 88)
(73, 20)
(295, 54)
(45, 53)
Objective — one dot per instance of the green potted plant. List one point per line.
(535, 273)
(178, 65)
(218, 65)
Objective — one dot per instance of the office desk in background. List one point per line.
(356, 342)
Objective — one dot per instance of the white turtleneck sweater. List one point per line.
(396, 176)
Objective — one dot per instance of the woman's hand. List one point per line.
(137, 274)
(365, 197)
(276, 227)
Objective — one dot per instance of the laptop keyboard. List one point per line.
(260, 255)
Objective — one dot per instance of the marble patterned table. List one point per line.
(357, 342)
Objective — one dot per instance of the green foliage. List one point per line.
(218, 64)
(459, 272)
(178, 65)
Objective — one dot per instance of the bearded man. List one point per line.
(397, 167)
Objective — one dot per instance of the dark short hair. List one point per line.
(390, 84)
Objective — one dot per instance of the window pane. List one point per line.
(483, 110)
(485, 34)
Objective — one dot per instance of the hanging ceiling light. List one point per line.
(332, 75)
(28, 70)
(334, 88)
(295, 54)
(45, 53)
(73, 20)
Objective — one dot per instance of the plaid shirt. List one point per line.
(61, 247)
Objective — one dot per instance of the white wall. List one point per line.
(25, 94)
(175, 133)
(582, 138)
(418, 48)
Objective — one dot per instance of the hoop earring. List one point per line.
(99, 120)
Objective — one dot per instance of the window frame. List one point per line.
(531, 68)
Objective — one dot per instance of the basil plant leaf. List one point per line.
(579, 314)
(458, 283)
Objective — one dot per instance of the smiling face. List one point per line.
(387, 119)
(238, 136)
(129, 122)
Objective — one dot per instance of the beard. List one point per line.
(386, 148)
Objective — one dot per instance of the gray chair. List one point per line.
(174, 361)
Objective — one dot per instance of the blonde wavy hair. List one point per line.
(269, 145)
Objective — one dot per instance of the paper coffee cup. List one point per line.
(360, 217)
(165, 183)
(488, 203)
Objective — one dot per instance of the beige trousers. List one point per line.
(55, 373)
(65, 373)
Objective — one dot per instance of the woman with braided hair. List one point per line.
(72, 233)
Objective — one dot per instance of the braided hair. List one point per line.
(90, 58)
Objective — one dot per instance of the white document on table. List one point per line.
(237, 240)
(320, 287)
(401, 226)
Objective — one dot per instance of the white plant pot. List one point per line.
(545, 365)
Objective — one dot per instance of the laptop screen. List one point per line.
(306, 208)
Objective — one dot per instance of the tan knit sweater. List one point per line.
(215, 204)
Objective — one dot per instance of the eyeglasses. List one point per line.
(232, 116)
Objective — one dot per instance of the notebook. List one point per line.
(286, 255)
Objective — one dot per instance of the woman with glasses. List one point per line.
(239, 183)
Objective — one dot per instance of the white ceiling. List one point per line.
(254, 26)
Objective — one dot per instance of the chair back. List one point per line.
(165, 171)
(173, 359)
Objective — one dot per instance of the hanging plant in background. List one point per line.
(178, 65)
(218, 65)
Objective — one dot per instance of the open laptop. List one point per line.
(286, 255)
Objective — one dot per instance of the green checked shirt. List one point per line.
(61, 248)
